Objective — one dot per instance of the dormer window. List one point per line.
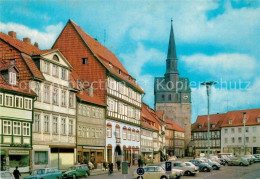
(258, 119)
(213, 125)
(229, 121)
(12, 78)
(199, 126)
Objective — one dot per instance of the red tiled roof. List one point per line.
(18, 44)
(146, 125)
(147, 115)
(106, 57)
(202, 121)
(40, 52)
(237, 117)
(173, 126)
(82, 95)
(3, 66)
(31, 65)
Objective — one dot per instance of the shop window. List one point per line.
(1, 99)
(129, 134)
(46, 123)
(37, 123)
(109, 130)
(18, 102)
(9, 100)
(26, 129)
(16, 128)
(63, 126)
(55, 124)
(40, 157)
(27, 103)
(70, 127)
(124, 133)
(18, 161)
(7, 127)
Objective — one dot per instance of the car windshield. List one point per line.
(39, 171)
(178, 164)
(84, 166)
(72, 168)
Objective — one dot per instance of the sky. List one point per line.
(215, 41)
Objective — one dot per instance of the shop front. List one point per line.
(135, 155)
(93, 154)
(127, 154)
(147, 154)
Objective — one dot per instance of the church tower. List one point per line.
(172, 93)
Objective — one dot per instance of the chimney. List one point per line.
(36, 44)
(27, 40)
(12, 34)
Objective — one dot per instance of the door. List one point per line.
(80, 171)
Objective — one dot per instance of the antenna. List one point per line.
(104, 36)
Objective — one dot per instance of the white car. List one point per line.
(178, 172)
(189, 164)
(188, 170)
(154, 172)
(6, 175)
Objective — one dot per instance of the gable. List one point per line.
(57, 57)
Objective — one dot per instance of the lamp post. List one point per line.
(244, 122)
(208, 85)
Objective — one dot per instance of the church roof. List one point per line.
(171, 48)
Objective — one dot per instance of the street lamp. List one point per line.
(208, 85)
(244, 122)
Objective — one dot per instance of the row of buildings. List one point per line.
(236, 132)
(75, 102)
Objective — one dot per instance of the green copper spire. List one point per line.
(171, 47)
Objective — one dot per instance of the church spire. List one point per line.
(171, 47)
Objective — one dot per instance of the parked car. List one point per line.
(238, 161)
(214, 165)
(257, 156)
(249, 159)
(253, 158)
(219, 160)
(6, 175)
(188, 170)
(203, 167)
(77, 171)
(45, 173)
(172, 158)
(178, 172)
(154, 172)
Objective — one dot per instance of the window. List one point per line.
(226, 131)
(88, 111)
(83, 131)
(258, 119)
(12, 78)
(84, 109)
(46, 123)
(254, 139)
(117, 131)
(233, 130)
(247, 129)
(133, 135)
(18, 102)
(233, 139)
(80, 109)
(55, 125)
(169, 97)
(80, 131)
(239, 130)
(87, 132)
(124, 133)
(229, 121)
(71, 99)
(63, 74)
(63, 98)
(16, 128)
(93, 132)
(239, 139)
(109, 130)
(129, 134)
(27, 103)
(26, 129)
(37, 123)
(70, 127)
(111, 105)
(37, 90)
(84, 61)
(55, 70)
(7, 127)
(226, 140)
(9, 100)
(254, 129)
(41, 157)
(46, 92)
(55, 96)
(46, 67)
(247, 139)
(63, 126)
(1, 99)
(120, 88)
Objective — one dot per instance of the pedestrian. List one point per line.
(139, 162)
(105, 165)
(118, 163)
(110, 166)
(16, 173)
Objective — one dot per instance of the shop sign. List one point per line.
(18, 152)
(95, 148)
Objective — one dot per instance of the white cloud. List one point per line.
(45, 38)
(223, 66)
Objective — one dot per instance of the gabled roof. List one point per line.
(31, 65)
(146, 115)
(105, 57)
(202, 121)
(18, 44)
(173, 126)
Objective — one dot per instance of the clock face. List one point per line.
(185, 96)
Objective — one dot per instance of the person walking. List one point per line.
(110, 166)
(118, 163)
(139, 162)
(16, 173)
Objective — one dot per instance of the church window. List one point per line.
(169, 97)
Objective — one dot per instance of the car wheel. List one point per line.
(163, 177)
(214, 167)
(74, 176)
(241, 164)
(205, 169)
(188, 173)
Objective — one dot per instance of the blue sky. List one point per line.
(216, 40)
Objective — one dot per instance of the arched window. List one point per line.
(109, 130)
(129, 134)
(117, 131)
(133, 134)
(55, 57)
(124, 132)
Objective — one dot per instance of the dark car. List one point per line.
(203, 167)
